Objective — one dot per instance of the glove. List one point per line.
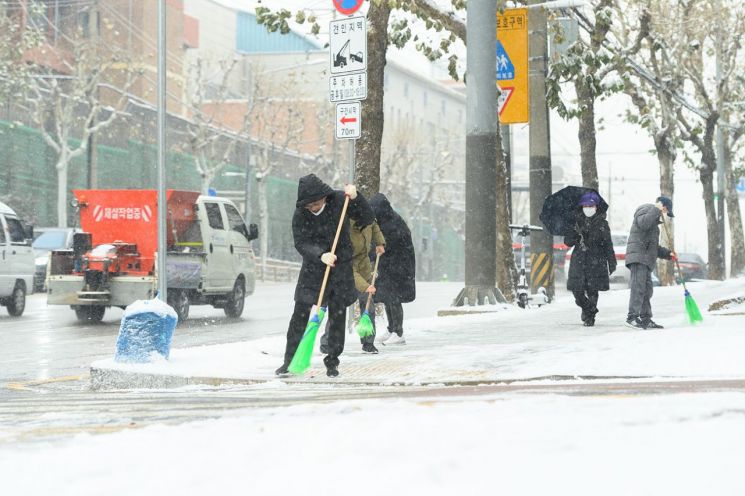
(329, 259)
(380, 249)
(351, 191)
(370, 289)
(673, 256)
(611, 268)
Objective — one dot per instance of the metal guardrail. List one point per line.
(277, 270)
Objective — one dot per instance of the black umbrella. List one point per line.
(560, 209)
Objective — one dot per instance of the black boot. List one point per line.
(332, 370)
(282, 370)
(589, 322)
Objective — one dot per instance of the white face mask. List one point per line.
(319, 211)
(589, 211)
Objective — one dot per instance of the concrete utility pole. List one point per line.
(541, 246)
(481, 147)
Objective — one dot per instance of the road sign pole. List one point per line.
(352, 151)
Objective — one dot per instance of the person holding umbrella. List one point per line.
(314, 224)
(593, 258)
(642, 251)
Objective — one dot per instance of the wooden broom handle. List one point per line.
(670, 240)
(374, 276)
(333, 249)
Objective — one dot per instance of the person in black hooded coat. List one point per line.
(397, 269)
(314, 225)
(593, 258)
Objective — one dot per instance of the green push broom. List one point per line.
(365, 326)
(692, 311)
(301, 359)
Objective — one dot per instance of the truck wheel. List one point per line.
(236, 300)
(90, 313)
(179, 301)
(17, 301)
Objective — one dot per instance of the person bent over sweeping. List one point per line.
(362, 239)
(593, 258)
(396, 274)
(642, 251)
(314, 224)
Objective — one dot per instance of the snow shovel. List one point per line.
(365, 326)
(301, 360)
(692, 311)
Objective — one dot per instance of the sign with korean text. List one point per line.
(348, 87)
(512, 66)
(348, 120)
(348, 45)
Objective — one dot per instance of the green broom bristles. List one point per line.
(694, 314)
(365, 326)
(301, 360)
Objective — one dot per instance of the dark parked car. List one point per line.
(47, 239)
(692, 266)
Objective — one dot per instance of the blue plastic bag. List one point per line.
(146, 329)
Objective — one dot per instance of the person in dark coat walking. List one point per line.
(593, 258)
(395, 284)
(314, 225)
(642, 251)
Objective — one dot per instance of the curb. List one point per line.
(102, 379)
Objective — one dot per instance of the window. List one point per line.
(15, 230)
(2, 234)
(90, 23)
(235, 220)
(213, 215)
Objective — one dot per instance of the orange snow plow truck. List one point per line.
(113, 262)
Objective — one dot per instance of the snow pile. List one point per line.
(145, 332)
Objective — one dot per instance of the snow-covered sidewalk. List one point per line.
(513, 344)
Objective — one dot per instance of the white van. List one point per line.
(16, 261)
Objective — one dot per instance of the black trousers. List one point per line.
(363, 301)
(587, 300)
(395, 313)
(336, 313)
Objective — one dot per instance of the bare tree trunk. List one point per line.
(716, 264)
(737, 240)
(62, 192)
(587, 138)
(367, 170)
(506, 271)
(667, 188)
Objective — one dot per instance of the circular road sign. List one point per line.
(348, 7)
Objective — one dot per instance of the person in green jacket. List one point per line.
(362, 269)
